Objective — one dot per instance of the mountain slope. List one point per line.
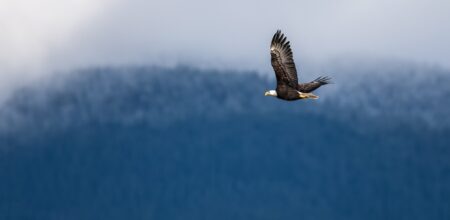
(142, 143)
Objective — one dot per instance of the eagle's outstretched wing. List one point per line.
(313, 85)
(282, 61)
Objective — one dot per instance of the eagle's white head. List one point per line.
(271, 93)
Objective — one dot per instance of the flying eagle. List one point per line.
(283, 64)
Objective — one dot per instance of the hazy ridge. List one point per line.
(182, 143)
(149, 94)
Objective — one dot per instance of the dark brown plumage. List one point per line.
(313, 85)
(283, 64)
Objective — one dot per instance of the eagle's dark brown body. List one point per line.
(283, 64)
(287, 93)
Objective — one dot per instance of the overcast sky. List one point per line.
(44, 36)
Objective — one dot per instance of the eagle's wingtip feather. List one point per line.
(324, 80)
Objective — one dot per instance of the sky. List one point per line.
(50, 36)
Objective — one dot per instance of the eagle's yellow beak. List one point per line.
(266, 93)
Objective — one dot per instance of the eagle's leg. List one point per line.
(303, 95)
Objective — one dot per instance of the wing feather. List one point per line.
(313, 85)
(283, 61)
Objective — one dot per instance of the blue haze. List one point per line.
(182, 143)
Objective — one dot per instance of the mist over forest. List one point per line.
(144, 142)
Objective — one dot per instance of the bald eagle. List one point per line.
(283, 64)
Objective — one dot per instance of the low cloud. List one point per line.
(52, 36)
